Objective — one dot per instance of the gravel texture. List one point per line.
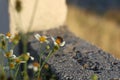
(78, 59)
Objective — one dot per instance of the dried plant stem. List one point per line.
(16, 16)
(33, 15)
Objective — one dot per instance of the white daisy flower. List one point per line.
(10, 54)
(31, 57)
(40, 38)
(58, 41)
(26, 56)
(18, 60)
(9, 35)
(35, 66)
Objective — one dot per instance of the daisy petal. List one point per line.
(14, 56)
(37, 36)
(53, 39)
(32, 58)
(28, 54)
(30, 66)
(55, 43)
(62, 44)
(35, 69)
(11, 51)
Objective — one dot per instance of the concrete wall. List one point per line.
(49, 14)
(78, 59)
(4, 17)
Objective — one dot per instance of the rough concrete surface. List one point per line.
(78, 59)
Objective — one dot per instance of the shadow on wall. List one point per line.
(4, 16)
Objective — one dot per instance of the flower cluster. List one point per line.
(8, 43)
(35, 66)
(13, 38)
(56, 43)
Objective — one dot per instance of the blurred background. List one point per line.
(97, 21)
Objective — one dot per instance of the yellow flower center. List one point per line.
(46, 66)
(42, 39)
(15, 39)
(36, 64)
(59, 40)
(12, 65)
(8, 34)
(18, 60)
(8, 54)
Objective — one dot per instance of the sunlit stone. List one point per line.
(49, 14)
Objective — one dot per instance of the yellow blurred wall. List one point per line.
(97, 30)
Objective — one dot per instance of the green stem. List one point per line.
(2, 70)
(47, 58)
(25, 47)
(16, 71)
(11, 73)
(2, 60)
(24, 42)
(25, 72)
(40, 56)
